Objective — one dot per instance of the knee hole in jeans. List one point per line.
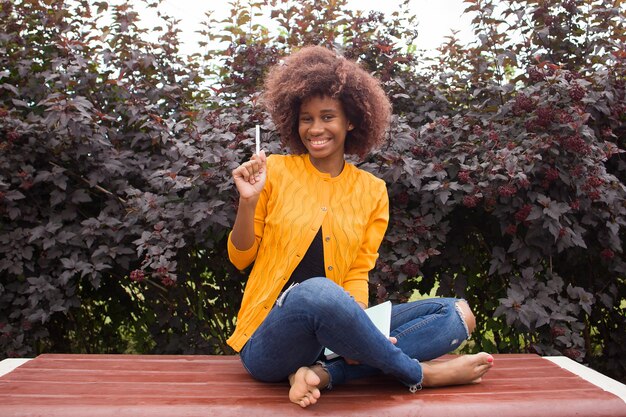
(467, 315)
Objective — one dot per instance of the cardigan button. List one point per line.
(327, 238)
(330, 268)
(323, 208)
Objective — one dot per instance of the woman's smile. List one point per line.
(319, 142)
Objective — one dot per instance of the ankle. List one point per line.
(323, 375)
(428, 375)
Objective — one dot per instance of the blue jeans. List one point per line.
(318, 313)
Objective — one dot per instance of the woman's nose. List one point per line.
(316, 127)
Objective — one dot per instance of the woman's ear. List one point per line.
(350, 126)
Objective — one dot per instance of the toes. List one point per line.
(482, 370)
(485, 357)
(307, 400)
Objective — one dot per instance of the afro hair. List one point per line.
(318, 71)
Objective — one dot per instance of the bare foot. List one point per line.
(305, 384)
(466, 369)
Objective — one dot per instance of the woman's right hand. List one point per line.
(250, 176)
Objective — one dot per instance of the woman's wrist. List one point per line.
(248, 201)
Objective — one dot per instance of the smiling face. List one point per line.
(323, 126)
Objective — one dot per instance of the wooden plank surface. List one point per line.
(135, 385)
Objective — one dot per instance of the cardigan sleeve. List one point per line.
(356, 280)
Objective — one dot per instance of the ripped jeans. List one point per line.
(318, 313)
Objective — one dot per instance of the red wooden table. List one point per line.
(173, 386)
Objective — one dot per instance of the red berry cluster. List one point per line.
(557, 331)
(12, 136)
(572, 353)
(523, 103)
(166, 279)
(471, 201)
(137, 275)
(594, 182)
(507, 190)
(552, 174)
(444, 121)
(464, 176)
(522, 213)
(570, 75)
(419, 151)
(545, 115)
(594, 195)
(575, 144)
(565, 117)
(577, 92)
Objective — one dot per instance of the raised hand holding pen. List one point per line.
(249, 179)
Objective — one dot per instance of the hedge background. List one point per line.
(504, 165)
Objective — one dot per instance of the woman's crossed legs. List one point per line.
(319, 313)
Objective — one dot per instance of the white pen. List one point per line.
(258, 139)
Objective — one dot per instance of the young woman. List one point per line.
(312, 224)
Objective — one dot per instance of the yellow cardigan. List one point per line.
(353, 211)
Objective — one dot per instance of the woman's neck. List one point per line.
(328, 166)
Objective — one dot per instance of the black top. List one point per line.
(312, 264)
